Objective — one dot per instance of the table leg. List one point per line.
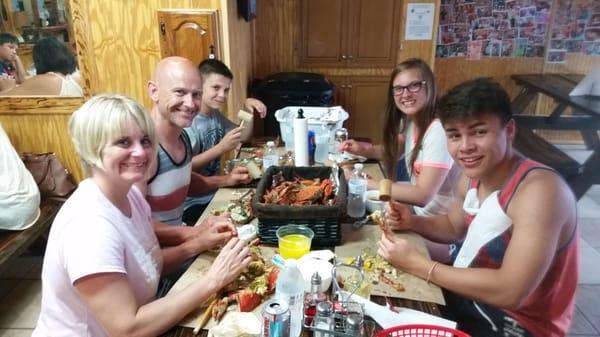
(520, 103)
(590, 137)
(555, 115)
(590, 175)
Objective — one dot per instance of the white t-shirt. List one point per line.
(433, 153)
(90, 236)
(19, 194)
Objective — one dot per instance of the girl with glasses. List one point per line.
(412, 131)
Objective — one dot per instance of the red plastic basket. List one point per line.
(420, 330)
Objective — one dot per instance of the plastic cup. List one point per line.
(322, 149)
(287, 134)
(294, 241)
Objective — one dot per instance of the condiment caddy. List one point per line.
(338, 316)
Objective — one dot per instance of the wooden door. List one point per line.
(373, 29)
(192, 34)
(367, 99)
(324, 26)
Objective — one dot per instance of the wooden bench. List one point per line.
(13, 243)
(585, 119)
(539, 149)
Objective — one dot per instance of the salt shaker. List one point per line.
(323, 319)
(354, 324)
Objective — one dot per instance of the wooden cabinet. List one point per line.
(192, 34)
(365, 99)
(349, 33)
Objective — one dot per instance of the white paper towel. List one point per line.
(300, 141)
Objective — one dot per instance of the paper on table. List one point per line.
(387, 318)
(364, 239)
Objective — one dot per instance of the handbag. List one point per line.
(52, 178)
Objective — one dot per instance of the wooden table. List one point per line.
(585, 119)
(432, 308)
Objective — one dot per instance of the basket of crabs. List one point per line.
(310, 196)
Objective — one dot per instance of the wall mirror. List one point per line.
(32, 20)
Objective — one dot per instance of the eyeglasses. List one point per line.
(412, 87)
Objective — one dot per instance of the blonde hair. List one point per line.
(103, 119)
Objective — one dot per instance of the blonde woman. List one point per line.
(103, 261)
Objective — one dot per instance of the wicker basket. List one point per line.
(323, 220)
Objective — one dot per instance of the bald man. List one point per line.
(175, 91)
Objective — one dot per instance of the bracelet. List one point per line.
(431, 271)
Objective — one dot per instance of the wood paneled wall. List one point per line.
(124, 42)
(238, 37)
(41, 125)
(277, 42)
(452, 71)
(118, 47)
(125, 46)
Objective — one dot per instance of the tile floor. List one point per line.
(20, 285)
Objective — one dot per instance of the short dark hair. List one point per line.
(214, 66)
(475, 98)
(8, 38)
(51, 55)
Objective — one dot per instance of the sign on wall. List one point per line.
(419, 21)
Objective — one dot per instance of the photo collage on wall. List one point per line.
(494, 28)
(575, 29)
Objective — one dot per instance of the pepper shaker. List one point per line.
(354, 324)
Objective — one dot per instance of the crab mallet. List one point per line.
(385, 195)
(244, 117)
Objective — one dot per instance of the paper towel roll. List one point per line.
(300, 140)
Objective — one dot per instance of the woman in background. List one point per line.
(412, 132)
(103, 261)
(56, 71)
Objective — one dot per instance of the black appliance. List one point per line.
(291, 89)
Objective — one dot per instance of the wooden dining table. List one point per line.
(375, 171)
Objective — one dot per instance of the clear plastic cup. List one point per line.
(322, 148)
(294, 241)
(287, 134)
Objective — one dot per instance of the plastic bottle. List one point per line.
(290, 288)
(270, 157)
(357, 187)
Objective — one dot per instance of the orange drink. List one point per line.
(294, 246)
(294, 241)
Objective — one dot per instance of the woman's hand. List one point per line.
(398, 216)
(231, 261)
(213, 231)
(252, 104)
(355, 147)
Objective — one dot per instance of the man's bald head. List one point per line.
(176, 90)
(174, 66)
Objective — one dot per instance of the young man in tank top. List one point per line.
(516, 271)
